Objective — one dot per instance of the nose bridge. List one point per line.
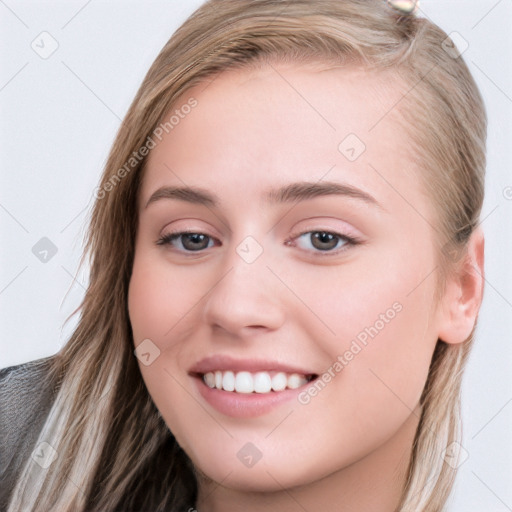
(247, 266)
(245, 295)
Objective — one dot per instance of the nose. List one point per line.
(246, 299)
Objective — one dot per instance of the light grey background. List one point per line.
(59, 116)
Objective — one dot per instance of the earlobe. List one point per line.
(463, 294)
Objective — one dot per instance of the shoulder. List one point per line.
(24, 370)
(18, 374)
(25, 401)
(22, 387)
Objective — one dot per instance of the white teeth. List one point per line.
(262, 382)
(295, 381)
(228, 381)
(209, 380)
(279, 381)
(244, 382)
(259, 382)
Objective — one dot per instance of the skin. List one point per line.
(348, 448)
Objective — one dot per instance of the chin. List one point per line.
(264, 476)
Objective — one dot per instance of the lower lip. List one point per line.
(245, 405)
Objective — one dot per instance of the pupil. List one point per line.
(324, 238)
(191, 240)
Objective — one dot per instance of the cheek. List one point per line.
(380, 335)
(160, 306)
(160, 296)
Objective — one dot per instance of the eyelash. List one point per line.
(168, 238)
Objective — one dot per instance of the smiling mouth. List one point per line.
(254, 382)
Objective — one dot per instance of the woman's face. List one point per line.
(310, 266)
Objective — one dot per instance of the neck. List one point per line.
(375, 482)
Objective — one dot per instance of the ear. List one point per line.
(463, 294)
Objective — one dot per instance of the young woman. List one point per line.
(286, 272)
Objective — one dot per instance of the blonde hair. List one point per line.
(115, 452)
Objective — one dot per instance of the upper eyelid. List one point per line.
(347, 229)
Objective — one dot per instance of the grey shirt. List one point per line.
(24, 406)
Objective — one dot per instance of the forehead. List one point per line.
(277, 122)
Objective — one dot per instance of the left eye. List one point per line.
(324, 241)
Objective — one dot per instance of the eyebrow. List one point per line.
(299, 191)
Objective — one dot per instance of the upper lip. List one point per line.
(225, 363)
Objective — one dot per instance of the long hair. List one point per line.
(114, 451)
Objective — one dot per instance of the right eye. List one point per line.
(186, 241)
